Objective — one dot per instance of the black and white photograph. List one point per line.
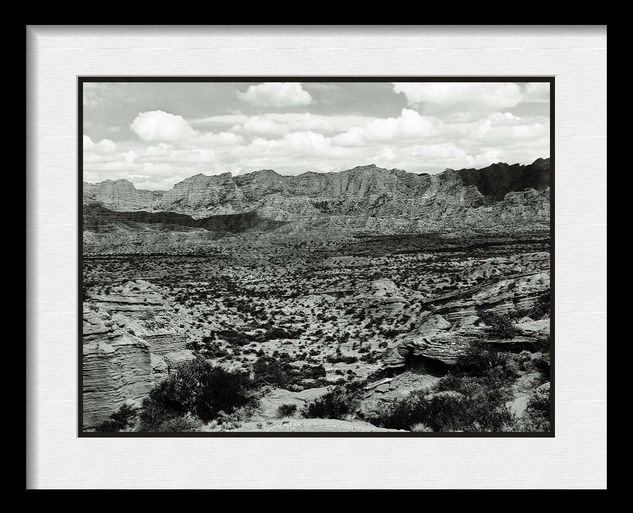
(322, 256)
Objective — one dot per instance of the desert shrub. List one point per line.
(501, 325)
(268, 370)
(233, 338)
(184, 424)
(287, 410)
(153, 414)
(458, 402)
(196, 388)
(541, 307)
(402, 413)
(542, 364)
(235, 417)
(118, 420)
(446, 411)
(276, 333)
(335, 404)
(478, 360)
(316, 372)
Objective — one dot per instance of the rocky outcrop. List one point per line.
(443, 347)
(201, 191)
(453, 324)
(119, 195)
(382, 295)
(130, 343)
(503, 295)
(116, 367)
(162, 344)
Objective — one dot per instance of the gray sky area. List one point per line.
(157, 134)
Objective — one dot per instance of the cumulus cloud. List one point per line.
(487, 95)
(279, 124)
(276, 94)
(157, 125)
(409, 125)
(219, 139)
(103, 146)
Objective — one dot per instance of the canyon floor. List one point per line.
(383, 333)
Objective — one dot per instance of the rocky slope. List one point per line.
(501, 193)
(452, 323)
(119, 195)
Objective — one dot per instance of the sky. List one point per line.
(157, 134)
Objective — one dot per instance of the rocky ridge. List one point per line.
(500, 192)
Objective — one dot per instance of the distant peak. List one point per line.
(265, 172)
(366, 167)
(197, 176)
(118, 180)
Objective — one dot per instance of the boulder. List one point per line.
(175, 358)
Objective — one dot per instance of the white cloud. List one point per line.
(278, 125)
(461, 96)
(103, 146)
(409, 125)
(499, 130)
(222, 120)
(409, 141)
(157, 125)
(219, 139)
(276, 94)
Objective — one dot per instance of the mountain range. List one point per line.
(365, 197)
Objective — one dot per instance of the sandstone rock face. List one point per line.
(162, 344)
(119, 195)
(433, 325)
(129, 345)
(140, 307)
(116, 367)
(443, 347)
(160, 370)
(200, 191)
